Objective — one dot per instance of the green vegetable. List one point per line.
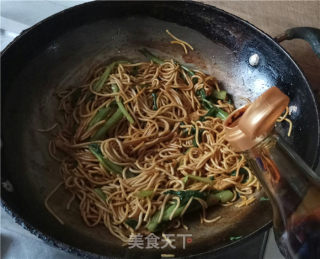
(111, 167)
(202, 94)
(215, 112)
(115, 89)
(185, 130)
(144, 193)
(198, 178)
(98, 85)
(188, 70)
(194, 142)
(203, 98)
(229, 98)
(221, 95)
(150, 56)
(186, 152)
(131, 223)
(185, 196)
(144, 85)
(243, 172)
(154, 226)
(224, 196)
(101, 114)
(185, 179)
(100, 193)
(154, 97)
(114, 119)
(129, 174)
(134, 71)
(159, 61)
(264, 199)
(235, 238)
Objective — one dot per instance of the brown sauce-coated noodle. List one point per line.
(166, 141)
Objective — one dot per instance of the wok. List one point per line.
(60, 50)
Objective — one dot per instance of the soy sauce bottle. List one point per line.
(293, 188)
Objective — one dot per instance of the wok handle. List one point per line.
(309, 34)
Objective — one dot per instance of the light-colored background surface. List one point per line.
(271, 17)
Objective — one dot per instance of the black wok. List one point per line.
(60, 50)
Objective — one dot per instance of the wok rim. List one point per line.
(53, 242)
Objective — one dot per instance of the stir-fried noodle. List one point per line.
(143, 144)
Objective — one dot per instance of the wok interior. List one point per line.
(64, 64)
(89, 35)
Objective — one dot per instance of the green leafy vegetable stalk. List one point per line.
(99, 84)
(144, 193)
(114, 119)
(213, 110)
(101, 114)
(100, 193)
(154, 97)
(184, 196)
(159, 61)
(150, 56)
(197, 178)
(115, 89)
(107, 164)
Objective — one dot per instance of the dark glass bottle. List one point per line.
(294, 191)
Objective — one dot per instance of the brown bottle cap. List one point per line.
(248, 125)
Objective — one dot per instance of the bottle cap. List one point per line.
(248, 125)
